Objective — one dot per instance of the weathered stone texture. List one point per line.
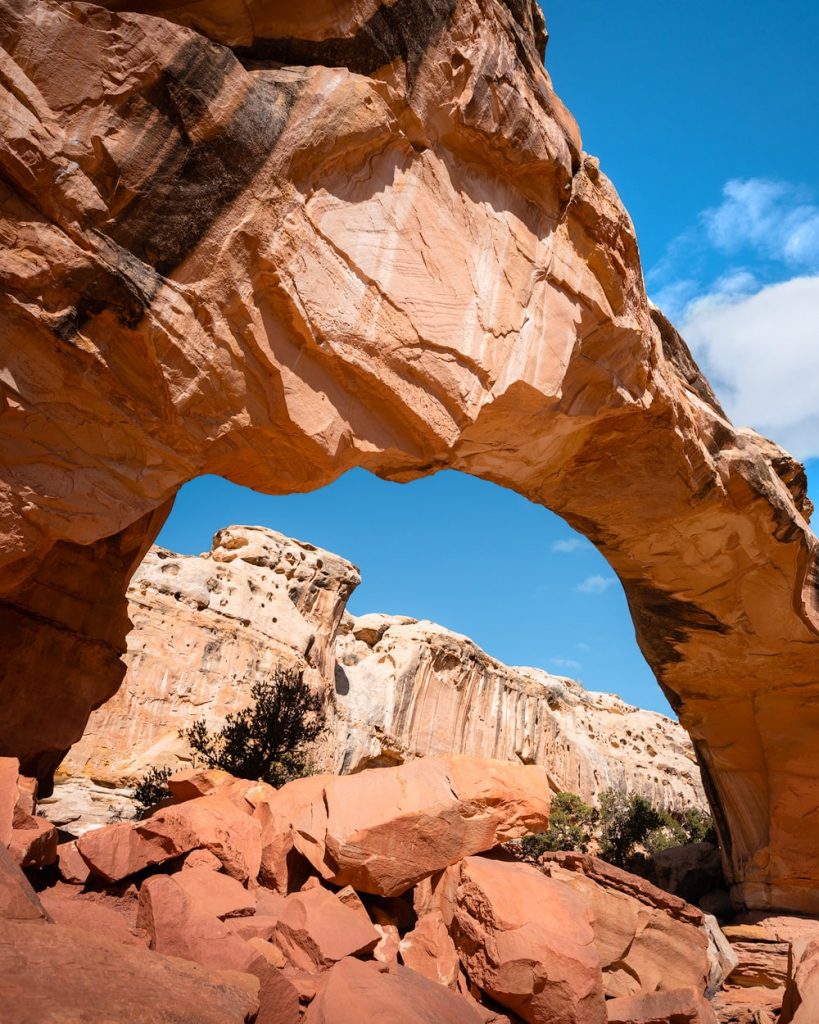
(371, 240)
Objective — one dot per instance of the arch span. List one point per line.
(278, 256)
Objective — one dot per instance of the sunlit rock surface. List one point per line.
(206, 628)
(368, 238)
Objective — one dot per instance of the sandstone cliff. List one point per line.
(274, 244)
(207, 627)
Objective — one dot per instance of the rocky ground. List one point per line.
(207, 627)
(389, 895)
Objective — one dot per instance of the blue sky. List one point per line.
(705, 116)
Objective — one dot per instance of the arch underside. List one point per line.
(293, 254)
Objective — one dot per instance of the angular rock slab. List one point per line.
(385, 829)
(356, 992)
(647, 939)
(679, 1006)
(526, 941)
(53, 974)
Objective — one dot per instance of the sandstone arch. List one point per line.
(394, 255)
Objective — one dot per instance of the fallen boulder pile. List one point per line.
(387, 896)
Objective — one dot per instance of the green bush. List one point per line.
(267, 740)
(571, 823)
(152, 788)
(620, 829)
(625, 822)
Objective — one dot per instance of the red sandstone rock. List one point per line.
(91, 915)
(73, 866)
(9, 770)
(210, 822)
(278, 1000)
(384, 829)
(678, 1006)
(18, 901)
(177, 927)
(801, 1000)
(55, 974)
(315, 929)
(357, 992)
(201, 859)
(429, 950)
(34, 843)
(117, 851)
(527, 942)
(214, 823)
(762, 960)
(259, 926)
(194, 782)
(215, 894)
(647, 939)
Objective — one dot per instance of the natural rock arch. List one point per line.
(394, 255)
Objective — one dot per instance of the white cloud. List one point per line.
(570, 545)
(761, 351)
(595, 584)
(754, 328)
(774, 218)
(567, 663)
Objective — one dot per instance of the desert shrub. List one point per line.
(625, 822)
(571, 824)
(152, 788)
(698, 826)
(268, 739)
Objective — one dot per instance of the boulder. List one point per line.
(215, 894)
(384, 829)
(73, 867)
(94, 914)
(647, 939)
(34, 843)
(202, 859)
(278, 1000)
(315, 929)
(527, 942)
(56, 974)
(214, 823)
(356, 992)
(116, 851)
(676, 1006)
(802, 994)
(178, 928)
(18, 901)
(429, 950)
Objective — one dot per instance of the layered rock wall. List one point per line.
(206, 628)
(369, 239)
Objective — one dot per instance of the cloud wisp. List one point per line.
(569, 545)
(754, 326)
(595, 584)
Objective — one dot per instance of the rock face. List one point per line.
(368, 239)
(205, 628)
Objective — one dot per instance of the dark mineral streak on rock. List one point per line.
(405, 30)
(202, 173)
(663, 622)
